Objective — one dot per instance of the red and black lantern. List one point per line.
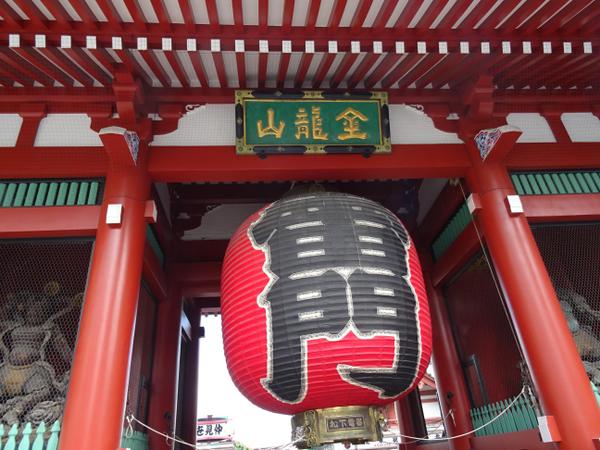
(324, 305)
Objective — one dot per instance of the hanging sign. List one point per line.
(311, 122)
(213, 429)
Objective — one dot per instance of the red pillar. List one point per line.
(161, 409)
(93, 418)
(405, 424)
(190, 406)
(550, 352)
(449, 378)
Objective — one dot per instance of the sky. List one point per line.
(218, 396)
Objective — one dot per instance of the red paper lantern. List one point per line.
(323, 304)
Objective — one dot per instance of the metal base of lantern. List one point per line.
(346, 424)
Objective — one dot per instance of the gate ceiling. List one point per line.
(398, 45)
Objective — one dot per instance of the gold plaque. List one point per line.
(347, 424)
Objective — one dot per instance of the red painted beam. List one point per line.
(238, 14)
(456, 256)
(10, 17)
(240, 63)
(562, 208)
(88, 64)
(359, 73)
(20, 65)
(156, 67)
(175, 63)
(581, 155)
(337, 12)
(386, 64)
(563, 16)
(187, 13)
(343, 69)
(423, 67)
(442, 210)
(263, 14)
(313, 12)
(408, 14)
(409, 63)
(288, 13)
(220, 66)
(222, 164)
(284, 63)
(66, 65)
(360, 15)
(542, 15)
(56, 221)
(323, 69)
(303, 69)
(432, 12)
(263, 59)
(53, 162)
(32, 56)
(111, 14)
(524, 11)
(85, 13)
(32, 11)
(199, 68)
(154, 275)
(213, 15)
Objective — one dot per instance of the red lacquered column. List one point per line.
(448, 373)
(551, 354)
(94, 410)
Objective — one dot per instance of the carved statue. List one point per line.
(27, 379)
(581, 319)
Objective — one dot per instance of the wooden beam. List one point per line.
(220, 163)
(562, 208)
(53, 162)
(456, 256)
(56, 221)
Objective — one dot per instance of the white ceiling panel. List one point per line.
(349, 11)
(276, 12)
(162, 60)
(300, 13)
(250, 10)
(272, 69)
(353, 67)
(188, 68)
(419, 14)
(225, 11)
(175, 13)
(10, 125)
(18, 10)
(145, 67)
(122, 10)
(252, 69)
(325, 12)
(396, 13)
(292, 69)
(466, 13)
(332, 70)
(148, 11)
(70, 10)
(231, 69)
(96, 10)
(312, 69)
(209, 66)
(199, 11)
(443, 13)
(372, 14)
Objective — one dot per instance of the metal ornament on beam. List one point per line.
(317, 122)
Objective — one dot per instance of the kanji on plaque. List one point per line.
(310, 124)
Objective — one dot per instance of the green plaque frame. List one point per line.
(311, 122)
